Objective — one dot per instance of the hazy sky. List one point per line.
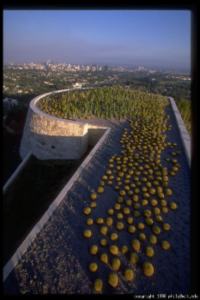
(133, 37)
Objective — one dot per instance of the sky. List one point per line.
(150, 38)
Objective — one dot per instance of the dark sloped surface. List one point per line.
(57, 262)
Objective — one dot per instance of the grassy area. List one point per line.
(106, 103)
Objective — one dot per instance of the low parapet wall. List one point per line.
(49, 137)
(13, 261)
(185, 137)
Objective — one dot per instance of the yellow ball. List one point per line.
(154, 202)
(141, 226)
(165, 178)
(161, 195)
(104, 230)
(100, 189)
(156, 229)
(121, 174)
(156, 211)
(173, 205)
(93, 249)
(108, 172)
(130, 220)
(124, 249)
(158, 218)
(148, 269)
(120, 216)
(146, 195)
(129, 275)
(166, 226)
(128, 202)
(135, 198)
(116, 263)
(93, 196)
(87, 233)
(113, 280)
(163, 203)
(93, 205)
(131, 229)
(120, 225)
(122, 193)
(144, 202)
(142, 236)
(134, 258)
(126, 210)
(89, 221)
(104, 258)
(111, 211)
(93, 267)
(149, 221)
(98, 285)
(102, 183)
(165, 245)
(117, 206)
(149, 251)
(153, 239)
(114, 236)
(99, 220)
(165, 210)
(114, 250)
(136, 245)
(103, 242)
(127, 188)
(169, 192)
(109, 221)
(152, 191)
(147, 213)
(87, 210)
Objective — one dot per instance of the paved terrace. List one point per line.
(57, 260)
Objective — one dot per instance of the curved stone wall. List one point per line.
(49, 137)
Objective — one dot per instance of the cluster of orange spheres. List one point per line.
(144, 197)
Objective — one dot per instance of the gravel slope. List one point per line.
(57, 261)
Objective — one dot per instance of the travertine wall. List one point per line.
(185, 137)
(48, 137)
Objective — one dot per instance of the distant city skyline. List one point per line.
(98, 67)
(159, 39)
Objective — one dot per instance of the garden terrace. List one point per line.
(103, 103)
(128, 212)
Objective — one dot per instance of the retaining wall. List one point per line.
(14, 175)
(49, 137)
(185, 137)
(13, 261)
